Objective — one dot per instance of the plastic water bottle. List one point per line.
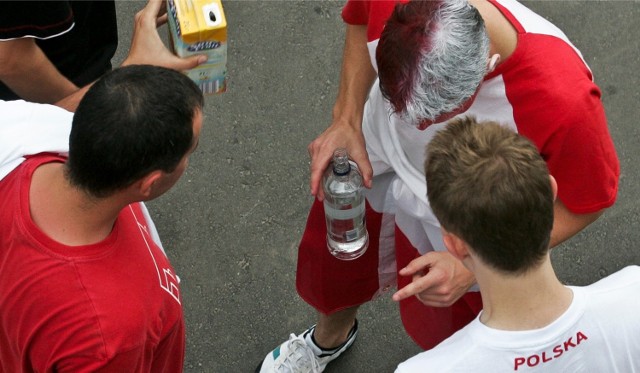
(344, 203)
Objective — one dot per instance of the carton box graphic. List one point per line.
(200, 27)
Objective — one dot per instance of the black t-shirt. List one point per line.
(78, 37)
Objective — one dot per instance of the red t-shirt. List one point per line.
(112, 306)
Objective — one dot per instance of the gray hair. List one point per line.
(451, 71)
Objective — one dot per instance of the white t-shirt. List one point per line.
(28, 128)
(599, 333)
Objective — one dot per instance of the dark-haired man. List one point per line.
(84, 282)
(530, 319)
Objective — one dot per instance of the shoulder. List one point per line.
(626, 279)
(453, 354)
(617, 296)
(543, 52)
(611, 314)
(29, 128)
(548, 84)
(548, 66)
(372, 13)
(39, 19)
(20, 111)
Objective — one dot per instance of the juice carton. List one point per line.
(200, 27)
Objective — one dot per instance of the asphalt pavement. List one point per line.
(232, 224)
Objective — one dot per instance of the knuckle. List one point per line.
(439, 276)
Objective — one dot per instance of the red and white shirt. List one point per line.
(544, 91)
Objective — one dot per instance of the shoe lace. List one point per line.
(299, 358)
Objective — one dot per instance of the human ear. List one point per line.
(492, 62)
(147, 183)
(554, 187)
(456, 246)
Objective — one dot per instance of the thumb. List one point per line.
(367, 173)
(187, 63)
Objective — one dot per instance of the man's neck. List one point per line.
(65, 213)
(529, 301)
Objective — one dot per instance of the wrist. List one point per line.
(341, 118)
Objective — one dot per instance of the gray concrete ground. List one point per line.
(232, 224)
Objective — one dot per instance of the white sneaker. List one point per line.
(293, 356)
(301, 354)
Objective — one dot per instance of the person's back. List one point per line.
(83, 306)
(493, 195)
(600, 332)
(85, 284)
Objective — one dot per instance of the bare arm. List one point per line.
(356, 78)
(30, 74)
(566, 224)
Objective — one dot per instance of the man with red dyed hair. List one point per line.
(496, 60)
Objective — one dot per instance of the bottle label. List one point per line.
(353, 234)
(347, 214)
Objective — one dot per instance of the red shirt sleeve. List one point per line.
(372, 13)
(585, 163)
(557, 105)
(356, 12)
